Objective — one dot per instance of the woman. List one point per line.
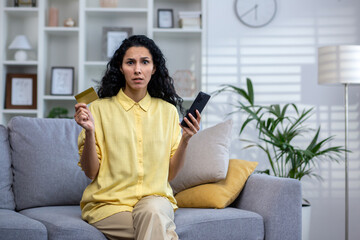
(131, 145)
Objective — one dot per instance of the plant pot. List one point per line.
(306, 217)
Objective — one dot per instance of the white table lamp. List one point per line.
(341, 65)
(20, 43)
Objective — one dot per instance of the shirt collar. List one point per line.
(127, 103)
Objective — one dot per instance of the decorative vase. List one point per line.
(53, 17)
(69, 22)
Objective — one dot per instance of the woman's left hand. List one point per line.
(194, 126)
(177, 161)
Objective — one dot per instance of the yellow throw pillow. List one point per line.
(220, 194)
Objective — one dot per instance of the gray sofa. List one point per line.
(41, 186)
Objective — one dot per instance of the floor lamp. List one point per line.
(341, 65)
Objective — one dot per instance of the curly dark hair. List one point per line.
(161, 85)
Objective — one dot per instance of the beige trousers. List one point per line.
(152, 219)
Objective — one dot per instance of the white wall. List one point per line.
(281, 60)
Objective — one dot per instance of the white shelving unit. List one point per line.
(13, 22)
(81, 46)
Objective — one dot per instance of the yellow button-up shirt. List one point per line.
(134, 143)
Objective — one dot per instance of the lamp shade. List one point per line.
(339, 64)
(20, 42)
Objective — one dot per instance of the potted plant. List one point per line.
(58, 112)
(277, 129)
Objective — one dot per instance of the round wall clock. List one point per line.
(255, 13)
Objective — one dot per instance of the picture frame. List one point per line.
(112, 38)
(62, 81)
(21, 91)
(165, 18)
(25, 3)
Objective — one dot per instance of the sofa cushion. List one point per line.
(14, 225)
(45, 156)
(206, 157)
(6, 178)
(214, 224)
(219, 194)
(64, 222)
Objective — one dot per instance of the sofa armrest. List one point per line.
(278, 201)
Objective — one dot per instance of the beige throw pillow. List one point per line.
(206, 157)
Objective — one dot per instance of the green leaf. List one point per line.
(250, 91)
(239, 91)
(283, 112)
(267, 171)
(245, 123)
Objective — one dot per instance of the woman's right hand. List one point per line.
(83, 117)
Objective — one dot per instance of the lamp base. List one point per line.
(20, 55)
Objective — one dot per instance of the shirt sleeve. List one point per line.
(176, 135)
(81, 142)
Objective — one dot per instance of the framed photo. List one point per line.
(165, 18)
(62, 81)
(112, 38)
(25, 3)
(20, 91)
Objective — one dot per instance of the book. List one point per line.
(190, 19)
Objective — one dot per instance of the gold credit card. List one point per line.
(87, 96)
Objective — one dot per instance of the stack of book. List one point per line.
(190, 20)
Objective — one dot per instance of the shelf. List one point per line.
(59, 98)
(106, 12)
(22, 63)
(116, 10)
(96, 63)
(20, 111)
(182, 33)
(177, 30)
(61, 30)
(21, 11)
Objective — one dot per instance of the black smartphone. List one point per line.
(198, 104)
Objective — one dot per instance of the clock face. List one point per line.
(255, 13)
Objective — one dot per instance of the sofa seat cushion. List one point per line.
(14, 225)
(64, 222)
(228, 223)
